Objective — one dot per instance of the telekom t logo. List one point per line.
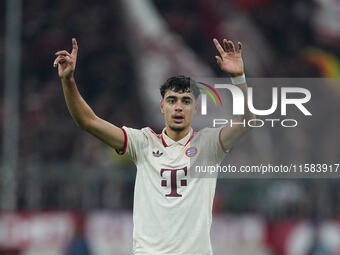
(238, 99)
(173, 181)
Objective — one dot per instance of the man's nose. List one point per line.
(178, 106)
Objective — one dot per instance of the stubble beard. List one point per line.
(177, 129)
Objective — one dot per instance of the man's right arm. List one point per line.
(80, 111)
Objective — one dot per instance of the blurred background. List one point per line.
(64, 192)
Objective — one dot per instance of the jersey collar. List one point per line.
(167, 141)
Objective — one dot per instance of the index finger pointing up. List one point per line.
(74, 46)
(218, 47)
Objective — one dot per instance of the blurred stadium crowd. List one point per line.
(62, 167)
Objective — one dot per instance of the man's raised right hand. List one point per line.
(66, 62)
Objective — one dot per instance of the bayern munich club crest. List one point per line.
(190, 152)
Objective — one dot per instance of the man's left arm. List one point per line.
(230, 61)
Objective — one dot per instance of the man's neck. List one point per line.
(176, 135)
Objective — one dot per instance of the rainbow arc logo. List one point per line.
(209, 90)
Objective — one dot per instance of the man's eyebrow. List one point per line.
(171, 97)
(182, 98)
(186, 97)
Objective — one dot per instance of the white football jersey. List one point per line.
(172, 210)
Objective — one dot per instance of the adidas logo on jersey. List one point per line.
(157, 154)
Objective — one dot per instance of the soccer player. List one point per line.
(172, 210)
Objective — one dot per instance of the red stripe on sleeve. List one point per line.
(122, 152)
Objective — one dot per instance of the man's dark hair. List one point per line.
(180, 84)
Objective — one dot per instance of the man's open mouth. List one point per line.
(178, 119)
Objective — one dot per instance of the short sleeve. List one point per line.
(135, 140)
(211, 140)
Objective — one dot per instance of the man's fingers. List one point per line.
(219, 60)
(74, 47)
(226, 46)
(62, 52)
(56, 61)
(231, 46)
(239, 47)
(59, 60)
(218, 47)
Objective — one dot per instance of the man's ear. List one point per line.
(196, 107)
(162, 106)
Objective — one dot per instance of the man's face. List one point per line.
(178, 109)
